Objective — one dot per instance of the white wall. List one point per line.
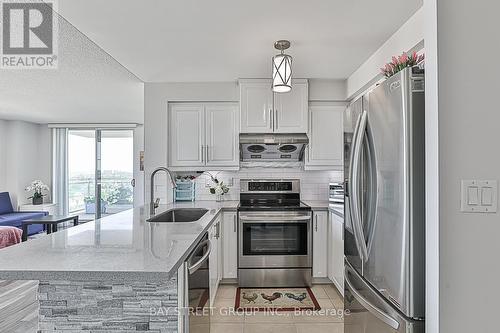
(25, 151)
(157, 96)
(469, 118)
(3, 154)
(327, 90)
(408, 37)
(431, 170)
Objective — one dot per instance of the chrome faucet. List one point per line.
(155, 203)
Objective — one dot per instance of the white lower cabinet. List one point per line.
(230, 245)
(214, 235)
(336, 251)
(320, 242)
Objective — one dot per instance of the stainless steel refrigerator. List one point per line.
(384, 225)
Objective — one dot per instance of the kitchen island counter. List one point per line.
(120, 247)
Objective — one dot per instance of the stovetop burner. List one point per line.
(267, 195)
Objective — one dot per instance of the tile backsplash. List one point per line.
(313, 184)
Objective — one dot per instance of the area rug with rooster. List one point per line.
(280, 299)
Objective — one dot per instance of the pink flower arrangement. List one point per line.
(400, 63)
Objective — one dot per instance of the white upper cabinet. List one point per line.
(290, 109)
(263, 111)
(326, 142)
(203, 135)
(222, 134)
(187, 135)
(256, 105)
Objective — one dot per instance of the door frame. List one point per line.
(97, 172)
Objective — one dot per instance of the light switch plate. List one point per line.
(479, 196)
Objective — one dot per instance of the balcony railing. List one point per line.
(114, 191)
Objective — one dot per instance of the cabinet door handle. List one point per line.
(270, 119)
(276, 115)
(206, 152)
(316, 227)
(234, 223)
(202, 154)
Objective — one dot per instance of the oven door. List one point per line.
(275, 239)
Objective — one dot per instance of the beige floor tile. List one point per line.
(278, 317)
(226, 328)
(324, 315)
(226, 315)
(223, 302)
(320, 328)
(319, 291)
(338, 303)
(195, 328)
(325, 303)
(269, 328)
(332, 291)
(226, 291)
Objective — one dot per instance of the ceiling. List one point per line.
(88, 86)
(107, 49)
(222, 40)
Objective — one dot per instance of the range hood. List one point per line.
(272, 147)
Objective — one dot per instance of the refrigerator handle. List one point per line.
(354, 186)
(349, 185)
(372, 191)
(370, 307)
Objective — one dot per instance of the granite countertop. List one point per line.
(317, 204)
(119, 247)
(326, 206)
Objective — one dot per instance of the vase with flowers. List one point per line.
(218, 188)
(37, 187)
(399, 63)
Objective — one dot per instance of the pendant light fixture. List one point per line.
(282, 68)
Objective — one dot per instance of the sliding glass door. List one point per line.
(81, 173)
(100, 172)
(116, 170)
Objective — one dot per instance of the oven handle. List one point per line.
(271, 219)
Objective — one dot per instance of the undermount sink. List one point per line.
(180, 215)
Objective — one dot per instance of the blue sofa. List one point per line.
(8, 217)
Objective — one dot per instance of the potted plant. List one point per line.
(36, 188)
(90, 205)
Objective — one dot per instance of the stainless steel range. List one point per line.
(274, 238)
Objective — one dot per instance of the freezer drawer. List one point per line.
(367, 312)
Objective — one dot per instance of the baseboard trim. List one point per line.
(229, 281)
(321, 280)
